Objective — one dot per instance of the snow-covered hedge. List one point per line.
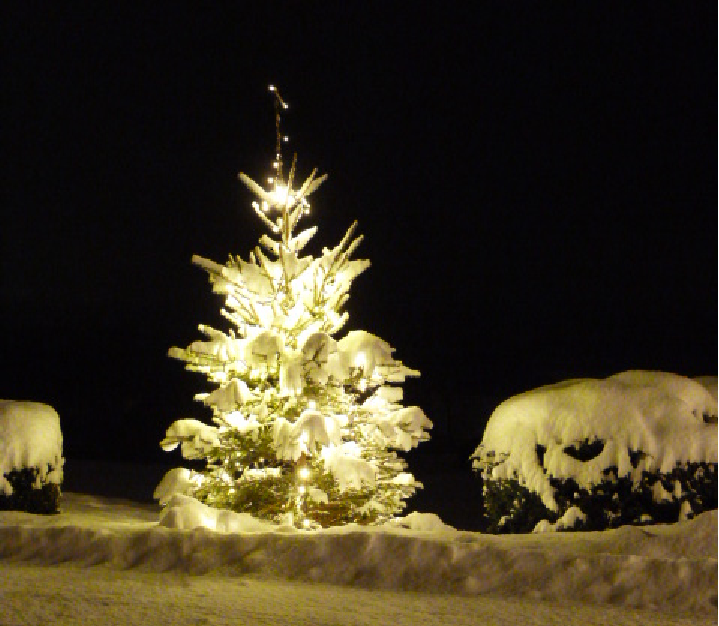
(31, 459)
(636, 448)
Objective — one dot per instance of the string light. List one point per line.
(304, 473)
(281, 196)
(279, 104)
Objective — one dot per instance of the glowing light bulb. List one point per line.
(306, 523)
(272, 88)
(281, 196)
(255, 204)
(312, 404)
(270, 179)
(285, 138)
(301, 489)
(304, 473)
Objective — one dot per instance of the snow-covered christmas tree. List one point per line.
(305, 425)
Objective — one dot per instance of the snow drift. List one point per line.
(666, 567)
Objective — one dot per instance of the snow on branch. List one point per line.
(195, 438)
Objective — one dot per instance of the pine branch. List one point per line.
(270, 244)
(268, 222)
(255, 188)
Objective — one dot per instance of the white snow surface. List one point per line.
(709, 383)
(194, 437)
(660, 574)
(30, 436)
(658, 413)
(568, 521)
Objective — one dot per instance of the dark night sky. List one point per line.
(536, 183)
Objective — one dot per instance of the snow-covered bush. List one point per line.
(30, 457)
(635, 448)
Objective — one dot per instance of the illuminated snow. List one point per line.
(665, 569)
(194, 437)
(672, 419)
(178, 481)
(186, 513)
(568, 520)
(30, 436)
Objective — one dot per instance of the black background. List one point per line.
(536, 183)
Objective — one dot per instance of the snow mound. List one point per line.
(187, 513)
(672, 568)
(429, 522)
(30, 437)
(179, 480)
(183, 512)
(671, 419)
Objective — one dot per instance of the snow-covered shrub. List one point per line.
(30, 457)
(638, 447)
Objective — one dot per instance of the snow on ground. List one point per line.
(65, 595)
(102, 557)
(103, 560)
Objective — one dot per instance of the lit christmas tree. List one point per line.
(305, 425)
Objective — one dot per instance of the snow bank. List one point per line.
(668, 567)
(186, 513)
(669, 418)
(30, 437)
